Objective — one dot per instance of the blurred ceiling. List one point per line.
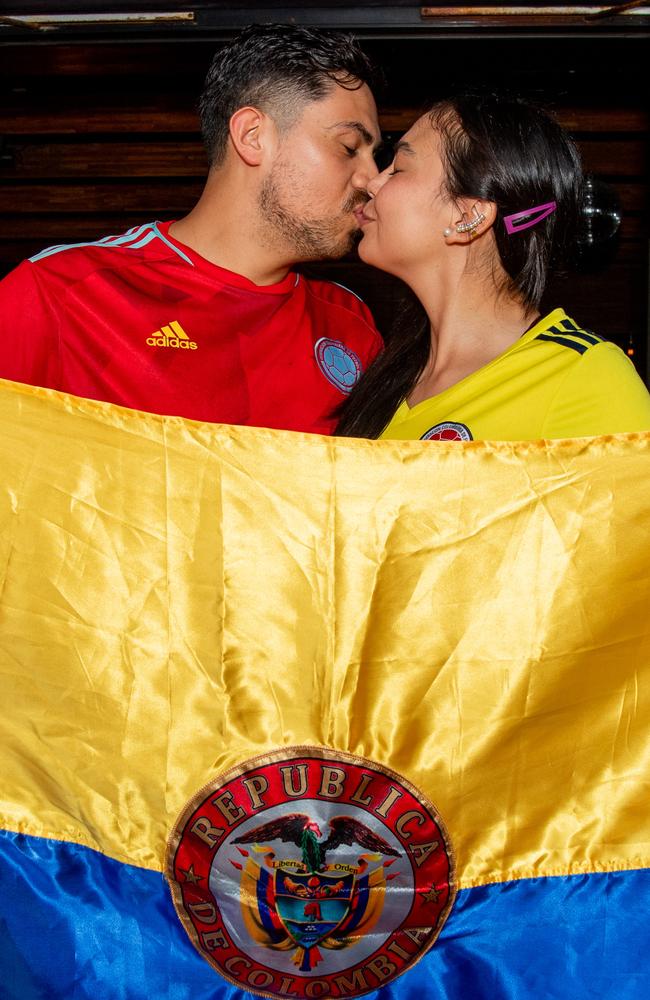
(401, 18)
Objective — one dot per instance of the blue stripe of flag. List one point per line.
(75, 925)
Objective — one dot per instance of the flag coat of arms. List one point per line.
(286, 715)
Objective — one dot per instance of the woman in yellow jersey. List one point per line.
(479, 204)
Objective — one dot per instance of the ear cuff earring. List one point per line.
(466, 227)
(469, 227)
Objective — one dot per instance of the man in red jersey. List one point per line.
(204, 317)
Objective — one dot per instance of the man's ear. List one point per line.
(250, 131)
(471, 217)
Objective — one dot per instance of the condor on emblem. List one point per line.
(309, 872)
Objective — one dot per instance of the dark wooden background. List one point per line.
(98, 131)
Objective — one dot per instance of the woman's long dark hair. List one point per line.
(501, 149)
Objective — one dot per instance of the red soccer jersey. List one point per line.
(143, 321)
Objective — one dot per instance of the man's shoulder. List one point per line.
(335, 296)
(77, 260)
(332, 291)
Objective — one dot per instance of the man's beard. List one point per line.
(308, 239)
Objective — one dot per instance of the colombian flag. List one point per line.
(286, 715)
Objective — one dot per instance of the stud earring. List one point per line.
(448, 231)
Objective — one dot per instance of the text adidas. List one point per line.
(172, 335)
(163, 341)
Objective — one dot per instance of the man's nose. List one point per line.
(365, 173)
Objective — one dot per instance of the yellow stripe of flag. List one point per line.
(178, 597)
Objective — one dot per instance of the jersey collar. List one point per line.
(222, 274)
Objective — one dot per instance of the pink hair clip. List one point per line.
(532, 215)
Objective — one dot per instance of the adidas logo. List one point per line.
(172, 335)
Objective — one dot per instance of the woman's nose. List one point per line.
(376, 183)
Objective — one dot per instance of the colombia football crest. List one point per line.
(450, 430)
(309, 872)
(338, 363)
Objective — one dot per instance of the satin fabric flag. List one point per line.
(271, 701)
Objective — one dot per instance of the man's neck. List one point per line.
(222, 228)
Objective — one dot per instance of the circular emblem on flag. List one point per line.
(309, 872)
(449, 431)
(338, 363)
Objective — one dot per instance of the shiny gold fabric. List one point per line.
(177, 597)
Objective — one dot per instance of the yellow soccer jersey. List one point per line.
(556, 381)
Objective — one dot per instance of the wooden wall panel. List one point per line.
(38, 157)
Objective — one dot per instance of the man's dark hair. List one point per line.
(278, 66)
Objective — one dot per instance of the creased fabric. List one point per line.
(81, 925)
(177, 597)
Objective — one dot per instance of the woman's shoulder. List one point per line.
(560, 330)
(602, 393)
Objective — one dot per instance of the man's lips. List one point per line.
(362, 217)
